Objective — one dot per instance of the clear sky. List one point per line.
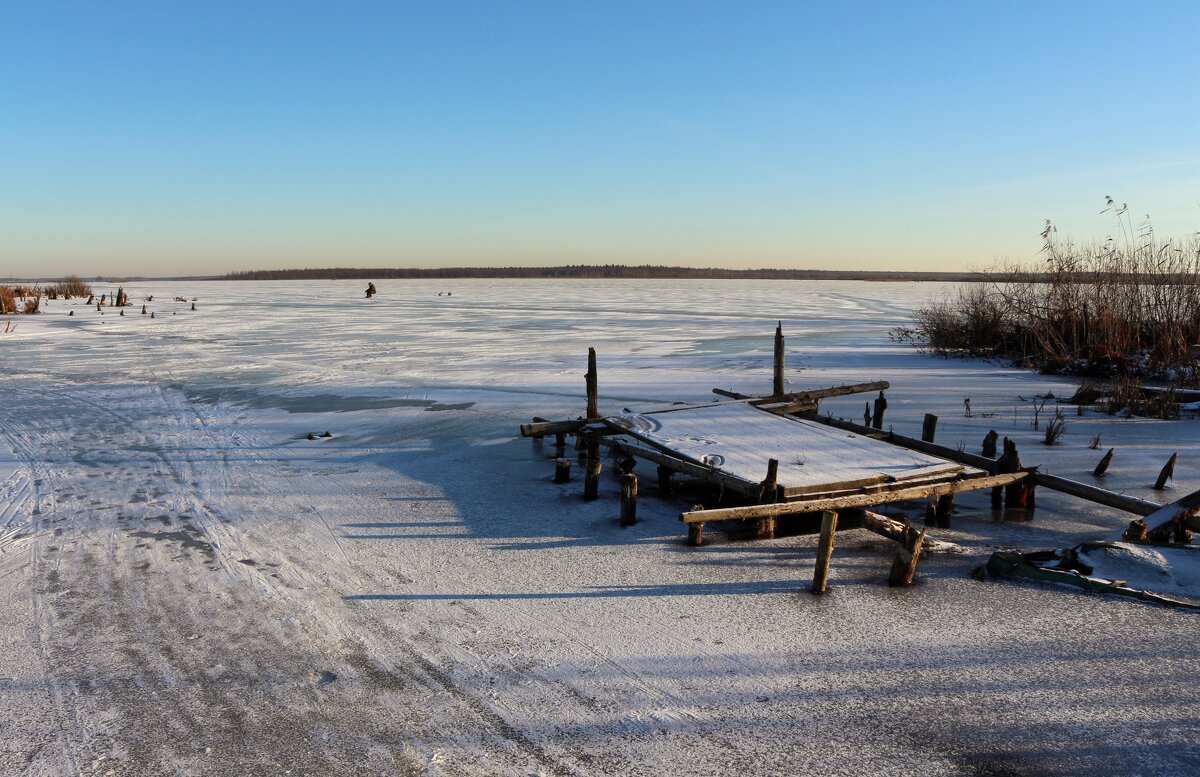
(199, 138)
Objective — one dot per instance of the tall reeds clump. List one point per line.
(1123, 307)
(71, 286)
(8, 300)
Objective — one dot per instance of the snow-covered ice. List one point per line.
(193, 586)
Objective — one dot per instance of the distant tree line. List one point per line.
(591, 271)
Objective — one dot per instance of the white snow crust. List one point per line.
(192, 586)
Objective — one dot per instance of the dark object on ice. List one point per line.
(91, 299)
(1103, 465)
(880, 406)
(989, 444)
(929, 427)
(312, 436)
(327, 434)
(144, 311)
(122, 312)
(1168, 473)
(370, 290)
(326, 678)
(193, 306)
(151, 315)
(122, 298)
(71, 313)
(562, 470)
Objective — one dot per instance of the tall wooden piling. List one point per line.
(593, 391)
(880, 406)
(989, 444)
(777, 382)
(562, 470)
(929, 427)
(629, 490)
(824, 551)
(945, 503)
(1167, 473)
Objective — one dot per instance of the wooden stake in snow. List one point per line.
(144, 311)
(929, 427)
(777, 381)
(1167, 473)
(593, 395)
(629, 499)
(562, 470)
(904, 565)
(769, 494)
(867, 415)
(824, 551)
(1103, 465)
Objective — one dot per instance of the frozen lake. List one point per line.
(195, 587)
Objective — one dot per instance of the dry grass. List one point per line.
(71, 286)
(1114, 309)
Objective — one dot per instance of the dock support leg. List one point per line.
(664, 481)
(904, 566)
(562, 470)
(629, 489)
(824, 551)
(942, 514)
(591, 483)
(696, 534)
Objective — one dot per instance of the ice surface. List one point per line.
(194, 587)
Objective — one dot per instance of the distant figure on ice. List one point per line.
(370, 290)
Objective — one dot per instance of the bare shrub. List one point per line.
(71, 286)
(8, 300)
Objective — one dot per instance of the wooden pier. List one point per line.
(773, 457)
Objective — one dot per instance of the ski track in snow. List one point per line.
(193, 587)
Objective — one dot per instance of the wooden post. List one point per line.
(1167, 473)
(777, 382)
(989, 444)
(880, 406)
(562, 470)
(593, 395)
(929, 427)
(629, 499)
(591, 483)
(942, 514)
(904, 565)
(560, 443)
(768, 494)
(696, 530)
(1103, 465)
(867, 415)
(824, 551)
(664, 480)
(1136, 531)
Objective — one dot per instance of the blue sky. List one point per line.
(175, 138)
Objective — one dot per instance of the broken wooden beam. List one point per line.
(824, 551)
(1161, 523)
(896, 492)
(809, 395)
(542, 428)
(891, 528)
(1129, 504)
